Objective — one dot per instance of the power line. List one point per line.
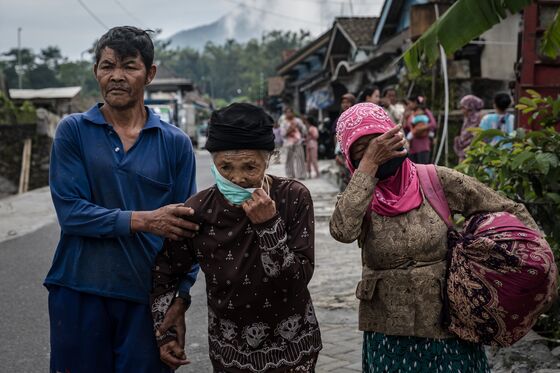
(130, 14)
(274, 13)
(337, 2)
(92, 14)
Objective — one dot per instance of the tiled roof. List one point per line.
(359, 29)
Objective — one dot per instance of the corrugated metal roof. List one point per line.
(46, 93)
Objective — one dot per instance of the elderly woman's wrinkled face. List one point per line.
(245, 168)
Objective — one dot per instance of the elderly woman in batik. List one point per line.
(256, 249)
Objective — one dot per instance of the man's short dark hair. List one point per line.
(388, 89)
(502, 101)
(127, 41)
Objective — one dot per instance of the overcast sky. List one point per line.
(68, 25)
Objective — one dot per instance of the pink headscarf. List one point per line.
(397, 194)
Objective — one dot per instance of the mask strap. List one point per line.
(267, 190)
(267, 185)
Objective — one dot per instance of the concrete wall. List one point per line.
(497, 60)
(11, 149)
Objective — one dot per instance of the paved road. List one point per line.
(24, 330)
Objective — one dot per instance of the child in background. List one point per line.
(278, 142)
(500, 120)
(419, 139)
(312, 146)
(420, 127)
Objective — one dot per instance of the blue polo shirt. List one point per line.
(95, 186)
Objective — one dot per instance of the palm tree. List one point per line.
(466, 20)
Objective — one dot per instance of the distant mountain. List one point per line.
(242, 25)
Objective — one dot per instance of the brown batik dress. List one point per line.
(260, 314)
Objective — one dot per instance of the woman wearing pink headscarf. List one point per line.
(471, 107)
(404, 246)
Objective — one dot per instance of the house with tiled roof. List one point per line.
(362, 51)
(316, 76)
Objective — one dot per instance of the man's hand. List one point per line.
(167, 221)
(260, 207)
(381, 149)
(173, 353)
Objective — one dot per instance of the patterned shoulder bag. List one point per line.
(501, 275)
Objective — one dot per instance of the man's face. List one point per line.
(345, 104)
(122, 81)
(391, 95)
(289, 114)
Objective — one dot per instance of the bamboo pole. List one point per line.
(25, 167)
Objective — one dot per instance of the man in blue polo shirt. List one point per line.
(118, 177)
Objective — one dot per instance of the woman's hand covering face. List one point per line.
(376, 150)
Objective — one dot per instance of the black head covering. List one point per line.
(240, 126)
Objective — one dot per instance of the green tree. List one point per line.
(79, 73)
(51, 56)
(232, 69)
(42, 76)
(9, 66)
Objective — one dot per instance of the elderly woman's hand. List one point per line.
(381, 149)
(260, 207)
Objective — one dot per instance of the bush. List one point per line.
(11, 114)
(525, 167)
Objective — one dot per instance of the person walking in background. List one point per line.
(404, 247)
(346, 102)
(256, 248)
(278, 142)
(501, 119)
(420, 127)
(419, 139)
(370, 94)
(392, 106)
(471, 107)
(118, 176)
(312, 146)
(293, 131)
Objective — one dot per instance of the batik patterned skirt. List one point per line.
(395, 354)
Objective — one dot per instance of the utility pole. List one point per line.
(261, 91)
(19, 69)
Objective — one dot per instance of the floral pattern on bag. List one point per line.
(502, 276)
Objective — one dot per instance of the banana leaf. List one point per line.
(551, 38)
(464, 21)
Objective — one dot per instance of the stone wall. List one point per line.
(12, 138)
